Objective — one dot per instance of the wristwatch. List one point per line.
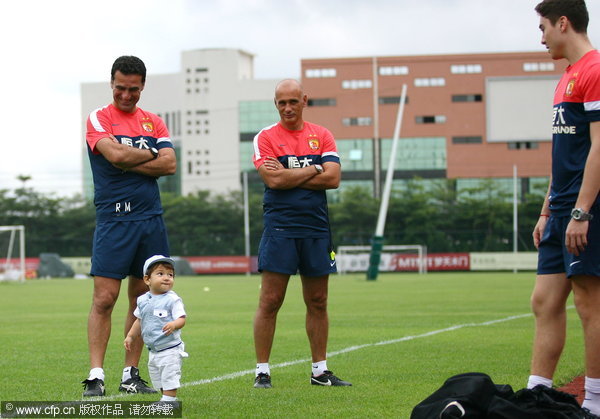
(154, 152)
(318, 168)
(579, 214)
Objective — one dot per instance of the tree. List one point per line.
(477, 219)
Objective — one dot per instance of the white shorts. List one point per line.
(165, 367)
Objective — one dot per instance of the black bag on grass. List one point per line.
(474, 395)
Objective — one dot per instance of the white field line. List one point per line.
(345, 350)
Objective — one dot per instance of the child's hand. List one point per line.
(127, 343)
(168, 328)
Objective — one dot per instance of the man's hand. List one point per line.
(576, 236)
(538, 231)
(271, 163)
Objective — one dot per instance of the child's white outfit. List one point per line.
(166, 352)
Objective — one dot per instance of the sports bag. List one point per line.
(474, 395)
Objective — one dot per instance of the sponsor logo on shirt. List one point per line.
(296, 163)
(559, 125)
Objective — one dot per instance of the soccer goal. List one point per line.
(394, 258)
(12, 253)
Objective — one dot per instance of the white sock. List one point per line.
(263, 368)
(592, 395)
(96, 373)
(126, 374)
(536, 380)
(319, 368)
(165, 398)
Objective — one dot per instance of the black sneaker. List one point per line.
(328, 379)
(262, 380)
(135, 384)
(93, 388)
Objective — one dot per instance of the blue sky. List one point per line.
(50, 47)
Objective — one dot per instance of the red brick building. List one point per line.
(466, 117)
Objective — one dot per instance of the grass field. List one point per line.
(396, 339)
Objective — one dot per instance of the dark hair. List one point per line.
(128, 64)
(155, 266)
(575, 10)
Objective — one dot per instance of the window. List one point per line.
(467, 140)
(430, 119)
(247, 136)
(357, 84)
(538, 66)
(467, 98)
(255, 115)
(357, 154)
(430, 82)
(466, 68)
(360, 121)
(391, 100)
(322, 102)
(525, 145)
(313, 73)
(397, 70)
(417, 153)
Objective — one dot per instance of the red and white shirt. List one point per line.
(119, 195)
(297, 212)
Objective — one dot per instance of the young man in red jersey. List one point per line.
(567, 233)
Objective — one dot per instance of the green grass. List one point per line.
(44, 346)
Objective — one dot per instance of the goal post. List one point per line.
(394, 258)
(12, 253)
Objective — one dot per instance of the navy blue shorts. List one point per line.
(310, 257)
(121, 248)
(553, 257)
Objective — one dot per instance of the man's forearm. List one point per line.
(165, 164)
(590, 185)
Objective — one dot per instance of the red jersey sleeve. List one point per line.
(262, 148)
(98, 127)
(163, 139)
(329, 147)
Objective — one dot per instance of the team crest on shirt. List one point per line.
(148, 126)
(570, 87)
(313, 142)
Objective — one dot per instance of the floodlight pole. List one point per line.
(377, 242)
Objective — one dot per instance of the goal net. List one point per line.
(12, 253)
(394, 258)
